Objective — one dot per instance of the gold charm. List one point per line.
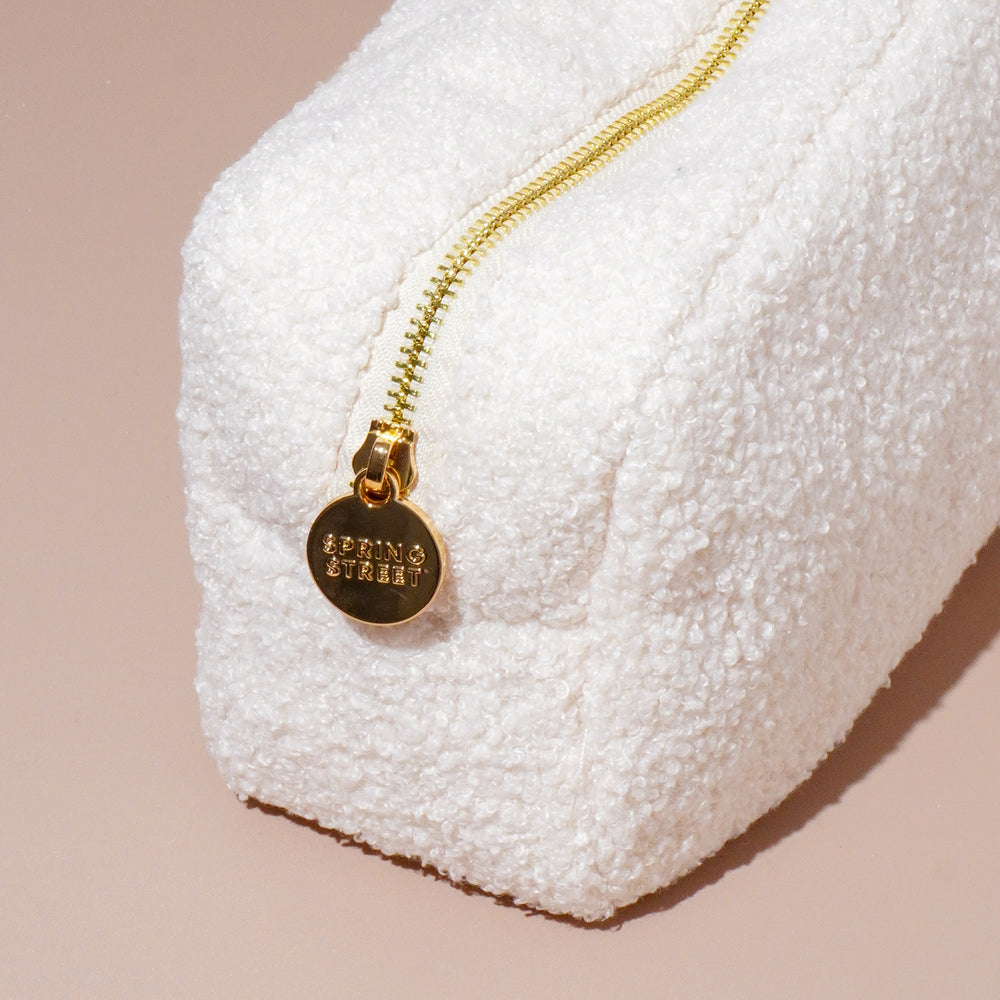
(374, 555)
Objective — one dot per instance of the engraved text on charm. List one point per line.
(377, 558)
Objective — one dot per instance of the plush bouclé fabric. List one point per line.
(709, 438)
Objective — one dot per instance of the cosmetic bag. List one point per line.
(709, 437)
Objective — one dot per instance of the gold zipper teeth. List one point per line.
(507, 213)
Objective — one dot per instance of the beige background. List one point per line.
(126, 868)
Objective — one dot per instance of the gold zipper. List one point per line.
(373, 554)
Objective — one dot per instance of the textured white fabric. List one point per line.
(710, 439)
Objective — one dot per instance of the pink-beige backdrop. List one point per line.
(126, 868)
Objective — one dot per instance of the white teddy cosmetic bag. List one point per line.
(709, 425)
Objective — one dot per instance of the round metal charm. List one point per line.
(379, 560)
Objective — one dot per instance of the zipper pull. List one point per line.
(374, 555)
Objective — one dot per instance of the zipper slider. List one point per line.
(388, 450)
